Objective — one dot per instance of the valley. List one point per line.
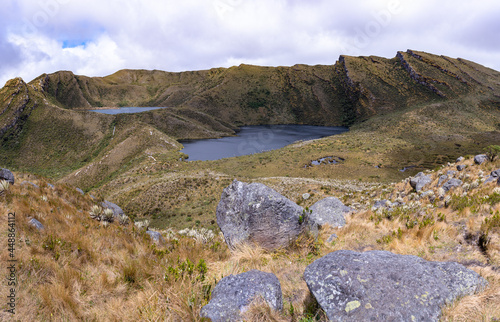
(417, 111)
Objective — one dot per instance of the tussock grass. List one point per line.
(78, 269)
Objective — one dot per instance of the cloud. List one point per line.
(97, 38)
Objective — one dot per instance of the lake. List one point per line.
(121, 110)
(255, 139)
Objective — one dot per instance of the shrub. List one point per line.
(4, 186)
(492, 152)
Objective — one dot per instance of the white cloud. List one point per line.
(200, 34)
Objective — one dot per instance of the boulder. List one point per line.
(419, 181)
(460, 167)
(442, 179)
(155, 236)
(460, 159)
(480, 158)
(35, 223)
(495, 173)
(234, 293)
(117, 211)
(452, 183)
(257, 214)
(498, 181)
(328, 211)
(382, 286)
(6, 174)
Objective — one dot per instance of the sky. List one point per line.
(98, 38)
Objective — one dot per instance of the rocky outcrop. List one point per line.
(480, 158)
(257, 214)
(7, 175)
(382, 286)
(419, 181)
(328, 211)
(234, 294)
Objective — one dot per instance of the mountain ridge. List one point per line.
(46, 114)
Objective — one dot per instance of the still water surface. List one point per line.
(255, 139)
(121, 110)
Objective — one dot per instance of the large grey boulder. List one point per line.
(452, 183)
(480, 158)
(6, 174)
(328, 211)
(419, 181)
(382, 286)
(117, 211)
(257, 214)
(233, 295)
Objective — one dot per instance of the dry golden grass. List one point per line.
(77, 269)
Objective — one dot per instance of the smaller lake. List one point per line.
(255, 139)
(122, 110)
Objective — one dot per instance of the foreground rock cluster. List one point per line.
(353, 286)
(348, 285)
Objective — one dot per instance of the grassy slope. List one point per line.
(78, 269)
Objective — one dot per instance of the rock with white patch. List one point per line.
(382, 286)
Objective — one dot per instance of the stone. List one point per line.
(7, 175)
(331, 238)
(155, 236)
(328, 211)
(234, 294)
(452, 183)
(30, 183)
(442, 179)
(419, 181)
(255, 213)
(306, 196)
(460, 159)
(460, 167)
(51, 186)
(490, 179)
(117, 211)
(498, 181)
(35, 223)
(495, 173)
(382, 286)
(480, 158)
(80, 191)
